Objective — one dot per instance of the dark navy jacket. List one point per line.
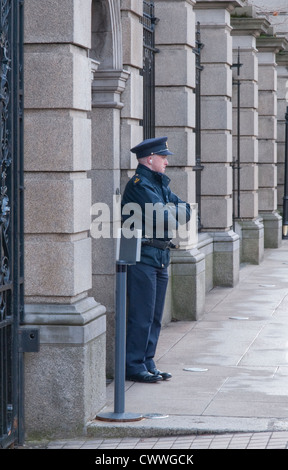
(148, 189)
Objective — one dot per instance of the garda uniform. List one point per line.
(147, 280)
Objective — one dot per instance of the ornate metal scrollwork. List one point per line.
(5, 148)
(148, 21)
(11, 221)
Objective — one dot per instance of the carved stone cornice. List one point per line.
(214, 4)
(271, 44)
(107, 87)
(282, 58)
(243, 26)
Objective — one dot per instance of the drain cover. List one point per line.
(239, 318)
(155, 416)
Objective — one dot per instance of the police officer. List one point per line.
(147, 280)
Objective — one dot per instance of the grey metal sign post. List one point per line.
(128, 252)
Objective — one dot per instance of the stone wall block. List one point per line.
(105, 148)
(216, 180)
(105, 184)
(226, 258)
(66, 272)
(175, 107)
(268, 103)
(51, 21)
(68, 83)
(216, 113)
(216, 146)
(248, 95)
(104, 256)
(268, 175)
(132, 39)
(249, 177)
(63, 141)
(249, 68)
(282, 85)
(281, 131)
(132, 96)
(280, 156)
(249, 149)
(218, 45)
(281, 109)
(216, 212)
(57, 205)
(133, 6)
(188, 284)
(212, 87)
(179, 19)
(268, 151)
(180, 63)
(249, 204)
(267, 199)
(65, 410)
(248, 121)
(267, 127)
(267, 79)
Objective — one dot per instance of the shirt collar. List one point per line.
(153, 175)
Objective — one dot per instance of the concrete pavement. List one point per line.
(230, 368)
(230, 371)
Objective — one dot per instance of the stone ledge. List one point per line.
(77, 323)
(213, 4)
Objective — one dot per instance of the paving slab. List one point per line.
(230, 368)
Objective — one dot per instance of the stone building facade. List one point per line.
(83, 112)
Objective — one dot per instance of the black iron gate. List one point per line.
(148, 70)
(198, 164)
(11, 222)
(237, 160)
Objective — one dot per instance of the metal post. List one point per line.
(119, 385)
(285, 197)
(120, 351)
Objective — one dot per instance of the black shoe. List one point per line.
(144, 377)
(164, 375)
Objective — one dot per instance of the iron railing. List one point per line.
(237, 159)
(11, 221)
(149, 21)
(198, 164)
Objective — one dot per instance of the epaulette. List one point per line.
(136, 178)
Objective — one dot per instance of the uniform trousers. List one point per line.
(146, 290)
